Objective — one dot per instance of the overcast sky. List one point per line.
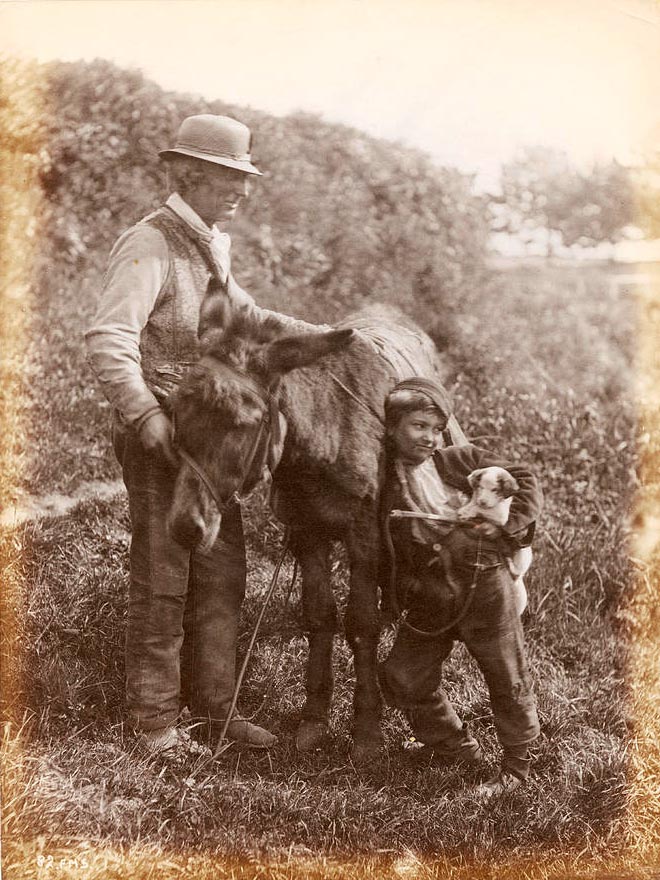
(469, 81)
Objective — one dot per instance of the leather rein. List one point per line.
(269, 426)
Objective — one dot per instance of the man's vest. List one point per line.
(169, 341)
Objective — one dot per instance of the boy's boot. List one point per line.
(461, 747)
(514, 771)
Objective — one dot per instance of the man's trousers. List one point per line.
(183, 606)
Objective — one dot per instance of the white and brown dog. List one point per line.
(492, 488)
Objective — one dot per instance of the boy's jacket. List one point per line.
(453, 464)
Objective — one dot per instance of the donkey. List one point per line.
(311, 406)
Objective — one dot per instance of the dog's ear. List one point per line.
(507, 485)
(474, 477)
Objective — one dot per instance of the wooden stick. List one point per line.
(413, 514)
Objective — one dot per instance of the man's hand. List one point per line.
(156, 437)
(488, 530)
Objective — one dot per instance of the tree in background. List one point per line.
(602, 205)
(647, 180)
(544, 197)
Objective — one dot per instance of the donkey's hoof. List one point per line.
(363, 753)
(311, 735)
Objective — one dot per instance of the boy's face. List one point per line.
(417, 435)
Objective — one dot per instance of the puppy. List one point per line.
(492, 489)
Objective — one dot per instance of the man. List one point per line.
(183, 607)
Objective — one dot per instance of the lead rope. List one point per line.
(273, 676)
(248, 654)
(358, 400)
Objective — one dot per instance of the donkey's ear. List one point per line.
(291, 352)
(210, 339)
(214, 315)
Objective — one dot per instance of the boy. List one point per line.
(461, 587)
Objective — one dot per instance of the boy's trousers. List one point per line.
(411, 675)
(183, 606)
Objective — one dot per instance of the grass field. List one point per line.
(557, 378)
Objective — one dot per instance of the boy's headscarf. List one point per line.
(433, 390)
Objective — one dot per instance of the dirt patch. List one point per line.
(57, 504)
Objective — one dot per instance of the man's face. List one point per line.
(218, 194)
(417, 435)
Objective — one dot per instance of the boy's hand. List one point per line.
(488, 530)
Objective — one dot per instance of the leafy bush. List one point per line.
(339, 217)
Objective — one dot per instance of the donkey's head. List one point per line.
(227, 423)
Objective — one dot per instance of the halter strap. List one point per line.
(210, 488)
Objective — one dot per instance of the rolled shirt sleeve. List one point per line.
(138, 267)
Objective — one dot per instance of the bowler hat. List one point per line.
(218, 139)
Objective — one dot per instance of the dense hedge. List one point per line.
(337, 218)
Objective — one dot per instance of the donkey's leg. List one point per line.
(362, 632)
(320, 613)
